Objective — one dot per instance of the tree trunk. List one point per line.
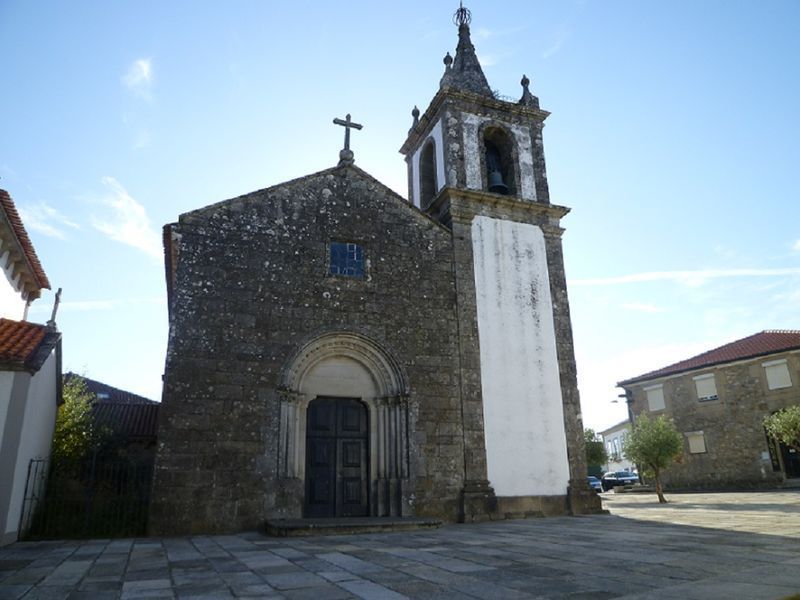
(659, 489)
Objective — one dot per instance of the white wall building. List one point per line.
(30, 369)
(614, 440)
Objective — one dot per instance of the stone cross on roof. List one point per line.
(346, 156)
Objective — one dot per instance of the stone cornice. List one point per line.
(464, 205)
(458, 96)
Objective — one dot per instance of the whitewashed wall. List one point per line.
(6, 382)
(436, 134)
(12, 306)
(526, 446)
(37, 433)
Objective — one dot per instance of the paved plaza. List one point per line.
(700, 546)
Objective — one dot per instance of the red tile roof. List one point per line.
(25, 244)
(19, 340)
(758, 344)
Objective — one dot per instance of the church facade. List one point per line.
(336, 350)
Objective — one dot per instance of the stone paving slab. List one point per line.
(699, 546)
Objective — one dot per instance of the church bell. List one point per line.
(496, 183)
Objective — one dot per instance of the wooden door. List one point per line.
(337, 465)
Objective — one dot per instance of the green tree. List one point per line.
(653, 444)
(596, 455)
(784, 426)
(74, 435)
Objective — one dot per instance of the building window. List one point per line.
(706, 387)
(697, 442)
(427, 174)
(777, 372)
(347, 259)
(655, 397)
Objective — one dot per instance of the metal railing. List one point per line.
(96, 498)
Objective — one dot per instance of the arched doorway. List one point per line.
(336, 376)
(337, 460)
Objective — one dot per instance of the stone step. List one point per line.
(345, 525)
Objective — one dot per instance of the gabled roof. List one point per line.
(137, 421)
(758, 344)
(25, 346)
(17, 236)
(104, 393)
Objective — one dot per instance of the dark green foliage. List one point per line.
(784, 426)
(596, 455)
(653, 445)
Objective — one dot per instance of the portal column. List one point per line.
(392, 457)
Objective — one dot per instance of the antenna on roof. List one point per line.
(52, 322)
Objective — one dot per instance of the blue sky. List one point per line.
(673, 136)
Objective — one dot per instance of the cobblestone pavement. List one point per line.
(771, 513)
(731, 546)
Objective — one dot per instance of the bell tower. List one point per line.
(476, 164)
(492, 144)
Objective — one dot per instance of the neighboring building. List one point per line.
(336, 350)
(614, 440)
(30, 368)
(104, 393)
(130, 420)
(718, 400)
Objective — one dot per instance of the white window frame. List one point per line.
(781, 378)
(654, 388)
(699, 439)
(700, 381)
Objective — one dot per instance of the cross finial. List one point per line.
(346, 156)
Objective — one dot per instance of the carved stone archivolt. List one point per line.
(387, 408)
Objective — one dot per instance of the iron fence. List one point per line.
(96, 498)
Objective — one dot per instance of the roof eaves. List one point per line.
(27, 251)
(662, 373)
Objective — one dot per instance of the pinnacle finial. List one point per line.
(415, 114)
(462, 16)
(463, 72)
(527, 99)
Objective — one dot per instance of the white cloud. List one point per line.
(487, 60)
(690, 278)
(128, 222)
(644, 307)
(46, 220)
(139, 78)
(796, 246)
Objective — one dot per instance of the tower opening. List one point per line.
(427, 174)
(499, 161)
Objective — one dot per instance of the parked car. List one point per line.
(595, 484)
(614, 478)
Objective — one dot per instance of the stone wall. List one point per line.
(251, 288)
(736, 454)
